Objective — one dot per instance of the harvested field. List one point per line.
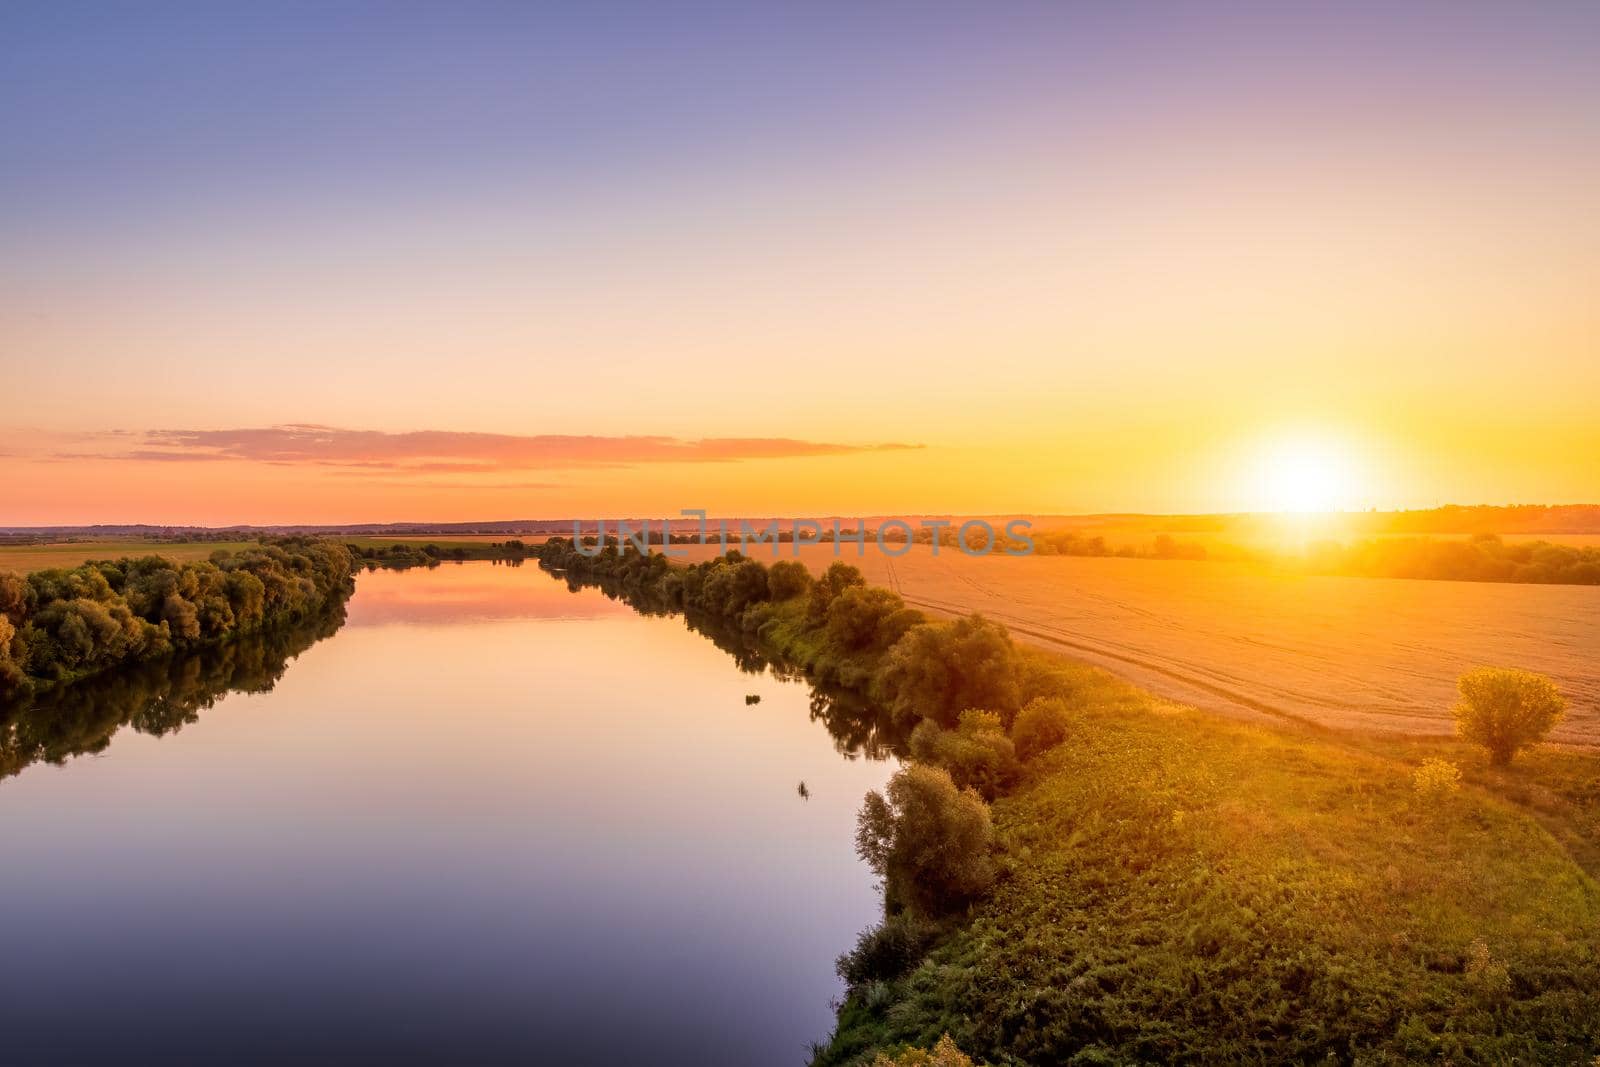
(1375, 654)
(25, 558)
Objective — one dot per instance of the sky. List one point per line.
(406, 262)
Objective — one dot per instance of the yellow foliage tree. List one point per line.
(1506, 710)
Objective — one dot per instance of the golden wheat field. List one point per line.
(1371, 653)
(25, 558)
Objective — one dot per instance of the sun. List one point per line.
(1304, 475)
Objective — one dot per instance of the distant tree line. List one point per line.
(1071, 543)
(60, 625)
(1482, 558)
(404, 554)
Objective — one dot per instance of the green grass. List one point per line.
(1181, 888)
(26, 558)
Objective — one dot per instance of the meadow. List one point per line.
(1176, 888)
(1371, 654)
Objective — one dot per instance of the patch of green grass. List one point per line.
(1180, 888)
(1558, 785)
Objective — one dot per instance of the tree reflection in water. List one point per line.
(156, 698)
(857, 727)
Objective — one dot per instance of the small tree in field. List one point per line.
(1506, 710)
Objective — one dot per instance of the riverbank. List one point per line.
(1178, 887)
(60, 626)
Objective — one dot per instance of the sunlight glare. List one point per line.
(1304, 475)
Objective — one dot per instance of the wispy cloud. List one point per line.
(454, 452)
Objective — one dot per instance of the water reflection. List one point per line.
(857, 727)
(492, 821)
(156, 698)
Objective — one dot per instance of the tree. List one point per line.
(1506, 710)
(927, 840)
(1040, 726)
(977, 753)
(836, 579)
(857, 618)
(887, 951)
(13, 596)
(732, 587)
(12, 677)
(787, 578)
(63, 624)
(938, 670)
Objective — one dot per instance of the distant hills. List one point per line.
(1451, 519)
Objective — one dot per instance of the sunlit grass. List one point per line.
(1174, 884)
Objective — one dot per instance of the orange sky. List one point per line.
(1087, 266)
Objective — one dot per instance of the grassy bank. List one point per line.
(1180, 888)
(1176, 887)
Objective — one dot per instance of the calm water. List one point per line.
(488, 819)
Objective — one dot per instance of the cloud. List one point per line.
(455, 452)
(499, 486)
(168, 457)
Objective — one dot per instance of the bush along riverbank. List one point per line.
(59, 626)
(1076, 871)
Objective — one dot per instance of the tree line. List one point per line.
(979, 710)
(59, 625)
(1482, 558)
(402, 555)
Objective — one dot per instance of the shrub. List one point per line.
(787, 578)
(977, 753)
(12, 678)
(1042, 676)
(943, 1054)
(13, 596)
(927, 840)
(1506, 710)
(1040, 726)
(858, 619)
(836, 579)
(937, 670)
(887, 951)
(897, 624)
(1436, 778)
(732, 587)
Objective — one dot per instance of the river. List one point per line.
(487, 819)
